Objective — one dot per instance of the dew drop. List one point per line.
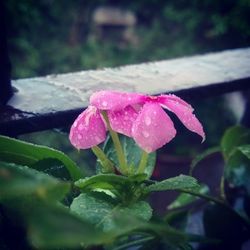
(104, 103)
(145, 134)
(80, 127)
(79, 137)
(147, 120)
(75, 124)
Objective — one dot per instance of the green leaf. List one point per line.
(176, 183)
(245, 149)
(54, 227)
(16, 181)
(202, 156)
(132, 153)
(52, 167)
(185, 199)
(50, 225)
(237, 170)
(28, 154)
(177, 219)
(234, 137)
(114, 183)
(102, 211)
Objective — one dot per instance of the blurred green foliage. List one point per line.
(49, 36)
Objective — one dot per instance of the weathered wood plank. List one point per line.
(42, 102)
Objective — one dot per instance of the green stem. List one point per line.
(143, 162)
(104, 160)
(222, 188)
(219, 202)
(117, 145)
(203, 196)
(134, 243)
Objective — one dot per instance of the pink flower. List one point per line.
(135, 115)
(88, 129)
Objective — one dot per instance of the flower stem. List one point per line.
(105, 162)
(117, 145)
(143, 162)
(222, 188)
(134, 243)
(218, 202)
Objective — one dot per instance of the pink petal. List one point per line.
(184, 112)
(175, 98)
(122, 121)
(88, 130)
(153, 128)
(114, 100)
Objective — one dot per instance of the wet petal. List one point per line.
(153, 128)
(114, 100)
(122, 121)
(174, 98)
(88, 130)
(184, 112)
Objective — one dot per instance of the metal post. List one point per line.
(5, 67)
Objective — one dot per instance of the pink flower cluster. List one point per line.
(135, 115)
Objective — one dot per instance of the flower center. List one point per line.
(91, 111)
(152, 98)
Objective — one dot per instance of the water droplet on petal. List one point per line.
(79, 137)
(147, 120)
(80, 127)
(75, 124)
(145, 134)
(104, 103)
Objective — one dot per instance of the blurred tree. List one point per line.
(49, 36)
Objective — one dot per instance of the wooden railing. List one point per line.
(55, 100)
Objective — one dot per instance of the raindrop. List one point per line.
(79, 137)
(145, 134)
(80, 127)
(75, 124)
(147, 120)
(104, 103)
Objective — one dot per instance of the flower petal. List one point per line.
(122, 121)
(175, 98)
(153, 128)
(88, 130)
(184, 112)
(114, 100)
